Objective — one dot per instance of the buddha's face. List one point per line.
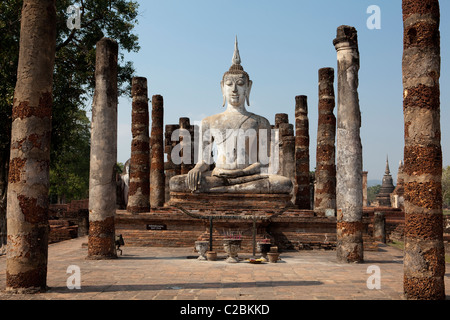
(236, 89)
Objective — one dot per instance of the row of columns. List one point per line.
(424, 259)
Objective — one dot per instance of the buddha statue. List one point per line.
(241, 138)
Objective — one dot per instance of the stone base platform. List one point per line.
(170, 227)
(230, 200)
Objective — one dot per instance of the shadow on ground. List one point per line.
(181, 286)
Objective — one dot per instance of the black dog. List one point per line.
(119, 243)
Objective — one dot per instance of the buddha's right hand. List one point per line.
(194, 178)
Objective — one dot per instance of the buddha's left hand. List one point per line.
(223, 173)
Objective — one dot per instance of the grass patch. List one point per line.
(446, 212)
(397, 244)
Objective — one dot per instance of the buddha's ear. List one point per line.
(223, 94)
(249, 89)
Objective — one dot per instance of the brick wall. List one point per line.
(64, 220)
(294, 230)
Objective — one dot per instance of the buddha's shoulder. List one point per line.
(223, 117)
(260, 119)
(213, 118)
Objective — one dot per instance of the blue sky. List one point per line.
(186, 46)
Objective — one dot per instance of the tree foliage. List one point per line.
(74, 81)
(446, 186)
(372, 193)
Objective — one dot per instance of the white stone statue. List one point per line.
(243, 145)
(125, 183)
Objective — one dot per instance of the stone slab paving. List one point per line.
(172, 274)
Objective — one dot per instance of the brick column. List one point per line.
(157, 178)
(185, 124)
(424, 262)
(349, 195)
(28, 184)
(170, 168)
(325, 193)
(379, 226)
(102, 184)
(302, 177)
(365, 174)
(281, 118)
(139, 187)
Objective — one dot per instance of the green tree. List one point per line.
(372, 193)
(69, 172)
(446, 186)
(75, 84)
(10, 12)
(74, 81)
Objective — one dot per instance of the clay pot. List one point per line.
(211, 255)
(273, 257)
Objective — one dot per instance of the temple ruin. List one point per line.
(259, 186)
(387, 188)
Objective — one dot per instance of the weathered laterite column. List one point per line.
(281, 118)
(424, 261)
(139, 190)
(287, 151)
(302, 177)
(286, 146)
(185, 124)
(365, 176)
(379, 227)
(102, 185)
(157, 178)
(349, 194)
(170, 169)
(27, 210)
(325, 193)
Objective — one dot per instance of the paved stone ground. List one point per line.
(168, 274)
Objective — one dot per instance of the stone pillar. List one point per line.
(281, 118)
(83, 222)
(349, 150)
(195, 144)
(102, 184)
(325, 193)
(185, 124)
(139, 187)
(27, 209)
(424, 260)
(170, 168)
(302, 177)
(287, 146)
(157, 178)
(379, 227)
(365, 174)
(285, 131)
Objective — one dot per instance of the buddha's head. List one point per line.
(236, 84)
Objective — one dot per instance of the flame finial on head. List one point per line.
(236, 56)
(236, 67)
